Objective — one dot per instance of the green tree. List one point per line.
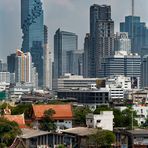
(127, 116)
(22, 108)
(102, 108)
(8, 131)
(80, 115)
(47, 123)
(102, 139)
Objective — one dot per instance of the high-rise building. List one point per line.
(144, 72)
(86, 56)
(101, 37)
(137, 32)
(122, 63)
(23, 67)
(63, 42)
(3, 66)
(33, 33)
(11, 62)
(122, 42)
(75, 62)
(47, 78)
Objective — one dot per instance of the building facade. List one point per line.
(101, 37)
(139, 37)
(86, 56)
(33, 33)
(75, 62)
(3, 66)
(128, 65)
(11, 62)
(144, 72)
(63, 42)
(69, 81)
(23, 67)
(122, 42)
(47, 78)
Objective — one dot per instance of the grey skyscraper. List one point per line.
(144, 72)
(33, 33)
(86, 56)
(75, 62)
(101, 37)
(63, 42)
(11, 62)
(139, 37)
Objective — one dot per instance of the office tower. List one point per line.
(122, 63)
(86, 56)
(139, 37)
(33, 33)
(11, 62)
(3, 66)
(63, 42)
(75, 62)
(4, 77)
(122, 42)
(47, 62)
(101, 36)
(23, 67)
(144, 72)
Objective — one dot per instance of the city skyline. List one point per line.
(69, 20)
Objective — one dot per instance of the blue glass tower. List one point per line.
(33, 33)
(140, 36)
(63, 42)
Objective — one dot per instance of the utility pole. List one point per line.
(132, 43)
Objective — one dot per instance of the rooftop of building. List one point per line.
(61, 111)
(19, 119)
(80, 131)
(30, 133)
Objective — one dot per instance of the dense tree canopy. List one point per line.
(22, 108)
(80, 115)
(47, 123)
(102, 139)
(8, 131)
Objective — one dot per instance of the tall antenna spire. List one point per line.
(133, 5)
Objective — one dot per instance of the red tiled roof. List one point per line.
(61, 111)
(19, 119)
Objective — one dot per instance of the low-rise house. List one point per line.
(103, 120)
(78, 137)
(63, 115)
(31, 138)
(137, 138)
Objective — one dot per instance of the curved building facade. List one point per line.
(33, 33)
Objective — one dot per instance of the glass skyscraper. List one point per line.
(139, 37)
(33, 32)
(63, 42)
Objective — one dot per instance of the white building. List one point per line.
(69, 81)
(104, 120)
(117, 86)
(5, 77)
(122, 42)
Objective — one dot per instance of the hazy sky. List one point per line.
(69, 15)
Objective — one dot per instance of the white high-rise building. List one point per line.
(122, 42)
(23, 67)
(47, 65)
